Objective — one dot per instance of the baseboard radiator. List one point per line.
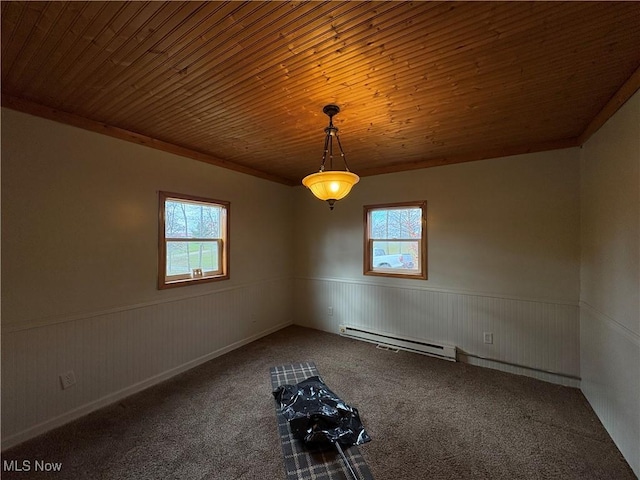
(446, 352)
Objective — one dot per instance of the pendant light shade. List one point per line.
(331, 185)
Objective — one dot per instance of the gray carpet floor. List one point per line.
(428, 418)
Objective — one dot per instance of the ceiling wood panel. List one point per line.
(111, 58)
(122, 88)
(225, 79)
(242, 84)
(217, 71)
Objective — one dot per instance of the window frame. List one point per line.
(368, 268)
(222, 273)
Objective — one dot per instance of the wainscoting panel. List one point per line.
(117, 353)
(611, 378)
(530, 337)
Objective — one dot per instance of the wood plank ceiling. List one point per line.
(242, 84)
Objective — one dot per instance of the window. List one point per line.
(193, 244)
(395, 240)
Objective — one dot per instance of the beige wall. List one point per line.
(80, 220)
(507, 226)
(503, 247)
(610, 277)
(79, 266)
(610, 169)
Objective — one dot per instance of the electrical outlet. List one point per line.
(330, 311)
(68, 379)
(488, 338)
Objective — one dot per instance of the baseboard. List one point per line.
(550, 377)
(83, 410)
(557, 378)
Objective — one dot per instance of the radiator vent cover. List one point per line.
(446, 352)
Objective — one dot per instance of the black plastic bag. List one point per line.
(318, 416)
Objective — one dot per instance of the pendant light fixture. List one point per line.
(331, 185)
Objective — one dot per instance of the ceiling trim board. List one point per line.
(471, 157)
(624, 93)
(43, 111)
(617, 100)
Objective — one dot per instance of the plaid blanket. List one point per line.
(299, 462)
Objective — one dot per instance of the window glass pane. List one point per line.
(395, 243)
(404, 255)
(192, 220)
(184, 257)
(401, 223)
